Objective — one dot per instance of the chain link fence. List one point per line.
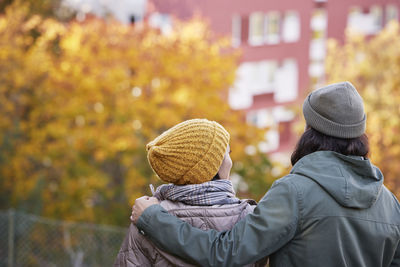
(29, 240)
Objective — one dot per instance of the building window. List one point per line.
(271, 142)
(354, 12)
(355, 19)
(317, 47)
(271, 69)
(266, 28)
(252, 118)
(161, 21)
(392, 13)
(236, 30)
(287, 78)
(256, 28)
(319, 22)
(291, 27)
(272, 119)
(272, 28)
(261, 118)
(317, 50)
(253, 78)
(316, 69)
(257, 77)
(239, 97)
(377, 17)
(365, 23)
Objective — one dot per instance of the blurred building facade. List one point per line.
(126, 11)
(283, 47)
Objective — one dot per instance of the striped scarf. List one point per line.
(210, 193)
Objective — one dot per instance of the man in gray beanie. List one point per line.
(336, 110)
(331, 210)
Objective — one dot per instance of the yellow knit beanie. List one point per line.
(191, 152)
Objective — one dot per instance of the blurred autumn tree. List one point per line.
(45, 8)
(373, 66)
(79, 101)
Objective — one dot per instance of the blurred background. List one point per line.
(86, 84)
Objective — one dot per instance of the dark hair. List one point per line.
(216, 177)
(312, 141)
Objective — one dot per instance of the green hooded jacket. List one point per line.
(331, 210)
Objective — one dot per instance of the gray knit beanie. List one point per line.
(336, 110)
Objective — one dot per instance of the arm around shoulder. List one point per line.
(272, 225)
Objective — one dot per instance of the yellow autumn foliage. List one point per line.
(373, 66)
(79, 102)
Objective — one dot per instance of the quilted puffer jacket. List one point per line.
(137, 250)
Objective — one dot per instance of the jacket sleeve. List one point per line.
(396, 259)
(259, 234)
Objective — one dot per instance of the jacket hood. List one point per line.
(351, 180)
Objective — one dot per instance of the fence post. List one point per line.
(11, 223)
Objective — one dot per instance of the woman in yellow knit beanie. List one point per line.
(193, 157)
(190, 152)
